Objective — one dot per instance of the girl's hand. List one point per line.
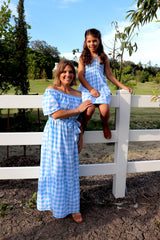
(128, 89)
(94, 93)
(83, 106)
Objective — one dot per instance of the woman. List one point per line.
(58, 185)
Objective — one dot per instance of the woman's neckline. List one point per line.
(62, 92)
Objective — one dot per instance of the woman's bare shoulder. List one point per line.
(50, 87)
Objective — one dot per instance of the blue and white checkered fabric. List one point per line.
(58, 185)
(94, 74)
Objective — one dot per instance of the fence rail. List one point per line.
(121, 136)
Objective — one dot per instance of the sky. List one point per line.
(62, 24)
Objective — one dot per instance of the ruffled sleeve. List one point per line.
(50, 102)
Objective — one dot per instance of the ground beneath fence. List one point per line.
(137, 216)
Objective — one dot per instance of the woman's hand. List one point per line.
(83, 106)
(94, 93)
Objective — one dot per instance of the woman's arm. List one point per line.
(83, 81)
(62, 114)
(111, 78)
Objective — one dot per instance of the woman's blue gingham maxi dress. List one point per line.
(58, 185)
(94, 74)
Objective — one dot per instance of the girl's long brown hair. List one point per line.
(86, 55)
(60, 68)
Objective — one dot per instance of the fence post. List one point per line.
(121, 146)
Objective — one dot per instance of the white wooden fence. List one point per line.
(121, 136)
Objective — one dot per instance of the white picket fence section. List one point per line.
(121, 136)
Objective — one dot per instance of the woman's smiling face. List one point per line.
(67, 76)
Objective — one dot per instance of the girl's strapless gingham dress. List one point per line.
(58, 184)
(94, 74)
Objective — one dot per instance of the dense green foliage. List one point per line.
(18, 61)
(7, 48)
(41, 60)
(134, 73)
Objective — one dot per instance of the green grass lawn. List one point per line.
(39, 86)
(141, 118)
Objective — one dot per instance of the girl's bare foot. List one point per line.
(106, 131)
(77, 217)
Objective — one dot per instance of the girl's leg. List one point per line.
(87, 116)
(105, 114)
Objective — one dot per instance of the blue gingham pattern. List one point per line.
(58, 184)
(94, 74)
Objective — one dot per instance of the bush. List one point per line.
(156, 79)
(142, 76)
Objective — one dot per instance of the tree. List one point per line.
(146, 11)
(5, 16)
(46, 49)
(74, 51)
(21, 82)
(7, 48)
(44, 56)
(124, 41)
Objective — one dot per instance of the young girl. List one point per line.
(92, 69)
(58, 185)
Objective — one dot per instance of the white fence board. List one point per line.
(97, 169)
(35, 138)
(97, 137)
(143, 101)
(20, 101)
(84, 170)
(146, 135)
(21, 138)
(19, 172)
(34, 101)
(143, 166)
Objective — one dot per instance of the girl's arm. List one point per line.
(83, 81)
(111, 78)
(61, 114)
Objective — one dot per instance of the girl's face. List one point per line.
(92, 43)
(67, 76)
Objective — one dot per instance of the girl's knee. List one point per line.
(105, 114)
(104, 110)
(91, 110)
